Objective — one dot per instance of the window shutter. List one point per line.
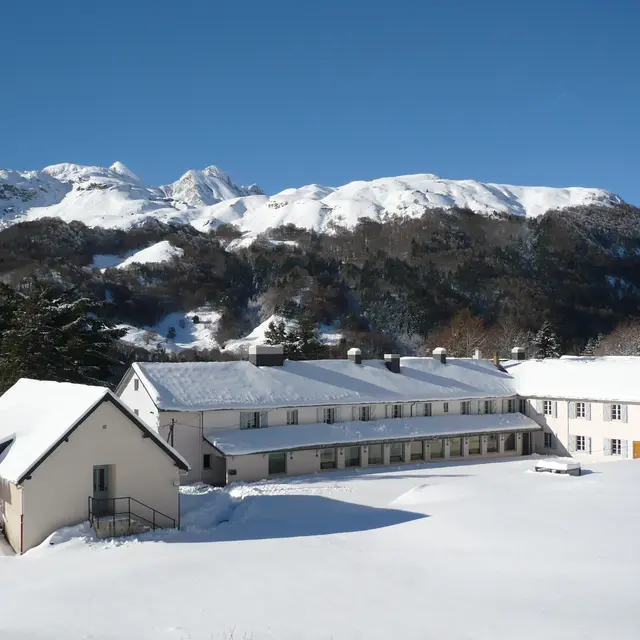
(319, 414)
(264, 419)
(386, 410)
(554, 408)
(494, 406)
(572, 410)
(372, 412)
(625, 448)
(355, 413)
(336, 414)
(606, 414)
(623, 409)
(588, 439)
(539, 406)
(504, 406)
(552, 441)
(587, 410)
(572, 443)
(607, 446)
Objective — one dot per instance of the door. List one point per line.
(101, 489)
(636, 449)
(526, 444)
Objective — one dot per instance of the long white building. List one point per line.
(249, 420)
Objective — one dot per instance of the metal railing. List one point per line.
(113, 509)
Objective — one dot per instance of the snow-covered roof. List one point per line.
(591, 378)
(35, 415)
(304, 436)
(203, 386)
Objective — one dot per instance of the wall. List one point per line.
(187, 439)
(57, 494)
(597, 428)
(11, 496)
(251, 468)
(229, 419)
(140, 401)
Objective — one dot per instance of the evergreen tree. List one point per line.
(171, 333)
(546, 343)
(593, 344)
(50, 336)
(277, 333)
(307, 339)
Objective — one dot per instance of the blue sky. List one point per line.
(285, 93)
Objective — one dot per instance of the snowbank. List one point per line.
(157, 253)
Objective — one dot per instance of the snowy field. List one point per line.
(447, 551)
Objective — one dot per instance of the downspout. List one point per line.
(21, 532)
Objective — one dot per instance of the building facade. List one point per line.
(245, 421)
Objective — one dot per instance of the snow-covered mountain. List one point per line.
(116, 197)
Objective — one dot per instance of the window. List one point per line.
(396, 411)
(474, 445)
(581, 411)
(249, 419)
(396, 452)
(417, 450)
(488, 406)
(352, 457)
(437, 450)
(375, 454)
(511, 405)
(328, 459)
(136, 411)
(428, 409)
(465, 407)
(510, 442)
(581, 441)
(616, 447)
(445, 407)
(455, 447)
(277, 463)
(329, 415)
(522, 405)
(548, 440)
(136, 384)
(206, 461)
(365, 414)
(547, 408)
(292, 416)
(616, 413)
(492, 443)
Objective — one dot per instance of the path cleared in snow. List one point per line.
(448, 551)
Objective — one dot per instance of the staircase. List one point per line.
(126, 516)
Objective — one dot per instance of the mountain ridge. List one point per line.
(115, 197)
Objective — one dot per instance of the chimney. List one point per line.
(440, 354)
(392, 362)
(477, 354)
(496, 359)
(266, 355)
(355, 355)
(518, 353)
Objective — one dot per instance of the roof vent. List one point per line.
(266, 355)
(355, 355)
(392, 362)
(518, 353)
(477, 354)
(440, 354)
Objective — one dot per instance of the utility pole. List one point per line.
(170, 435)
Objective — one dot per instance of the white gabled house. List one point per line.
(588, 407)
(71, 452)
(249, 420)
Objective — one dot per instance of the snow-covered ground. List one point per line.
(189, 335)
(329, 335)
(116, 197)
(157, 253)
(448, 551)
